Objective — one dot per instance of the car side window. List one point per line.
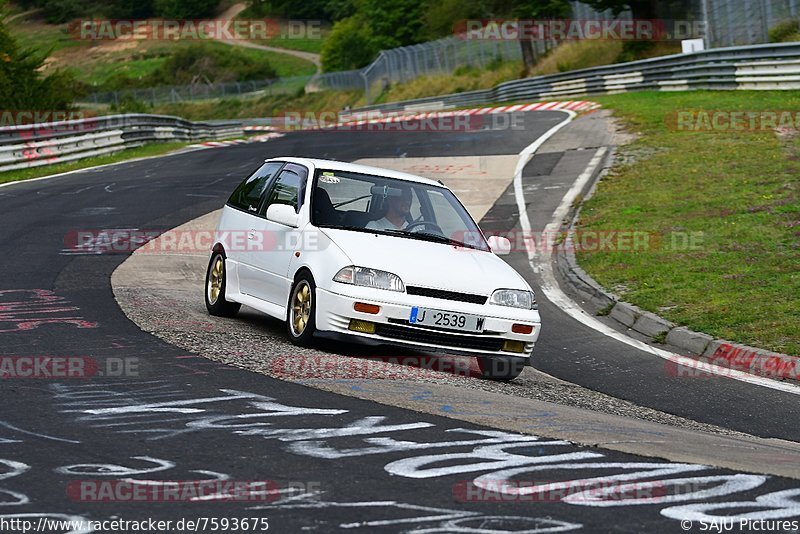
(289, 188)
(247, 196)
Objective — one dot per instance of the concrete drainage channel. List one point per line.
(161, 291)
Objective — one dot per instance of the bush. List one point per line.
(129, 104)
(58, 11)
(185, 9)
(200, 63)
(350, 45)
(786, 31)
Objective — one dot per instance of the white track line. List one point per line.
(541, 264)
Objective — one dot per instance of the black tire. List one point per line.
(501, 368)
(301, 331)
(215, 300)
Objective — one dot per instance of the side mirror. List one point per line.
(283, 214)
(499, 245)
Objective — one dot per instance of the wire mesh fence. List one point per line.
(742, 22)
(204, 91)
(406, 63)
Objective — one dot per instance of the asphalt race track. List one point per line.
(328, 462)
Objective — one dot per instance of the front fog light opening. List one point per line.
(365, 327)
(511, 345)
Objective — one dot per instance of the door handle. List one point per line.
(251, 234)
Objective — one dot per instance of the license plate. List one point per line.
(447, 320)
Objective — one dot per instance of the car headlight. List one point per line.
(515, 298)
(363, 276)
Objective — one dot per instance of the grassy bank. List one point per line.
(150, 149)
(265, 106)
(739, 191)
(101, 64)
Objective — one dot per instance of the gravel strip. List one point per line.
(258, 343)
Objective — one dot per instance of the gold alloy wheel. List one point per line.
(215, 280)
(301, 308)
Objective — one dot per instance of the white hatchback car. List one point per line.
(349, 251)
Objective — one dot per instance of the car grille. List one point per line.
(446, 295)
(433, 337)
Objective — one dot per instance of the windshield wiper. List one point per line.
(346, 202)
(435, 238)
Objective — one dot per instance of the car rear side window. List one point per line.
(247, 196)
(289, 188)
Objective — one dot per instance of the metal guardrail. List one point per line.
(759, 67)
(35, 145)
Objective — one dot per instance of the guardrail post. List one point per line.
(366, 88)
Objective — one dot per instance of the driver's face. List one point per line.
(401, 204)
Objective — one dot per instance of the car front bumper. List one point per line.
(335, 312)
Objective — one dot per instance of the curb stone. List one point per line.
(705, 348)
(625, 313)
(694, 342)
(652, 325)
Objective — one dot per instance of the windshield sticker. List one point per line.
(329, 178)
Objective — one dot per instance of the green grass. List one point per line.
(99, 64)
(741, 191)
(104, 71)
(150, 149)
(41, 36)
(152, 56)
(284, 64)
(303, 44)
(265, 106)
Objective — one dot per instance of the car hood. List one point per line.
(426, 264)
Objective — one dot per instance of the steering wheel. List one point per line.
(429, 224)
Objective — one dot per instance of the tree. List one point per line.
(641, 9)
(537, 9)
(331, 10)
(395, 23)
(443, 17)
(350, 45)
(23, 87)
(185, 9)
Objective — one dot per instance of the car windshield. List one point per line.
(413, 210)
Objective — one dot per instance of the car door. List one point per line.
(241, 217)
(270, 266)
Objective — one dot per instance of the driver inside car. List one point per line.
(398, 208)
